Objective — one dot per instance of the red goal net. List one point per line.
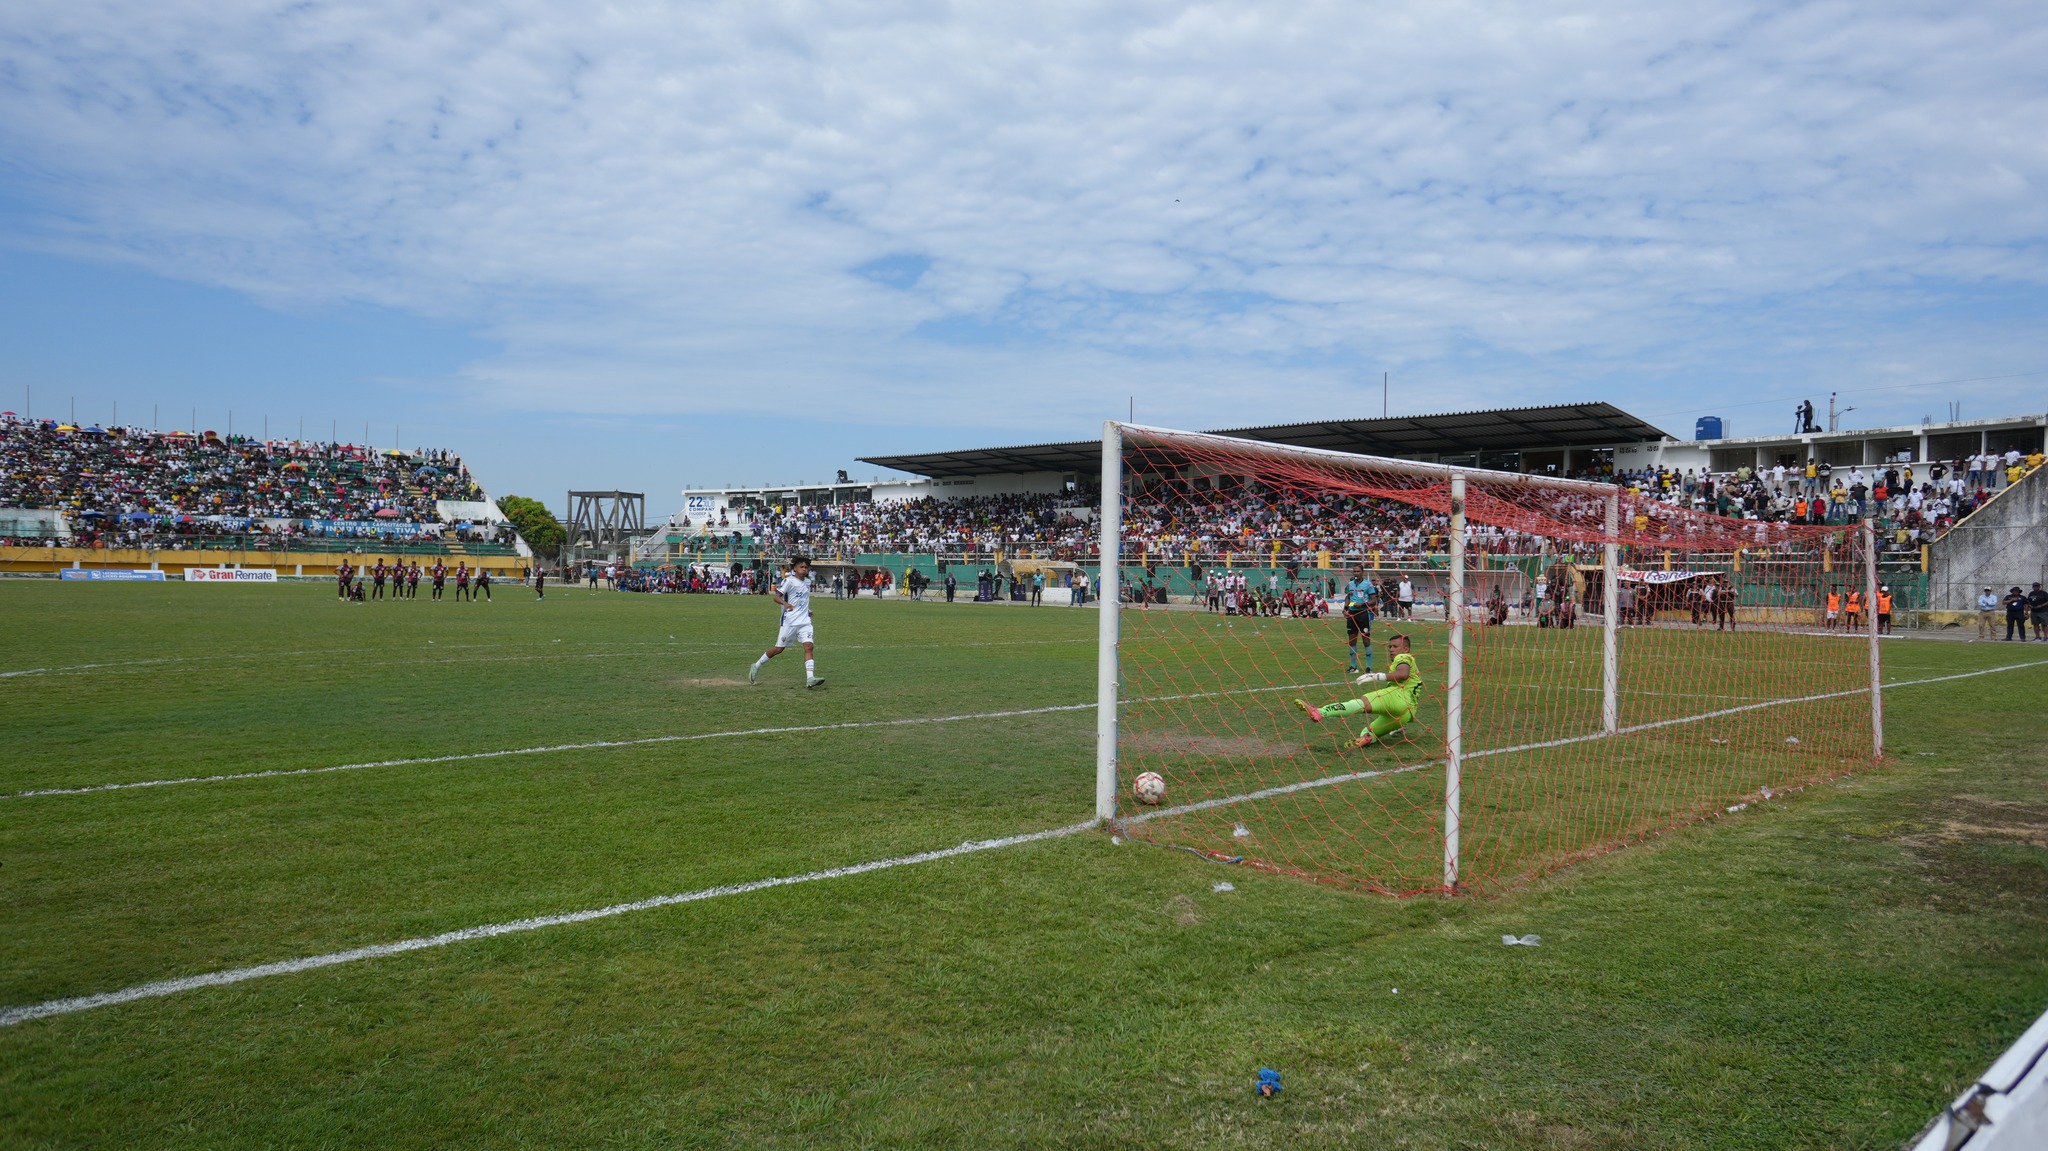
(1585, 665)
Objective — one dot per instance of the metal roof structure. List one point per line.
(1452, 433)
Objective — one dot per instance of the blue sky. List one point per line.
(648, 245)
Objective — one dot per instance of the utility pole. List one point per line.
(1386, 385)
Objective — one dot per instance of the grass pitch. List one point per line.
(1823, 970)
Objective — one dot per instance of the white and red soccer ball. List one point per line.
(1149, 787)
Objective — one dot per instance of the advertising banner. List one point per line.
(360, 528)
(231, 575)
(1627, 575)
(96, 574)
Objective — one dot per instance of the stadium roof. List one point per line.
(1452, 433)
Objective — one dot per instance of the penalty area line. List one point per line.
(642, 741)
(9, 1016)
(593, 745)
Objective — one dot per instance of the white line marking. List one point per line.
(599, 745)
(701, 647)
(593, 745)
(13, 1015)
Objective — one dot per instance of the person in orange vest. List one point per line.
(1799, 510)
(1834, 616)
(1884, 609)
(1855, 609)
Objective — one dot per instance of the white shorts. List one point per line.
(793, 633)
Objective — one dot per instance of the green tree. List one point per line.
(535, 524)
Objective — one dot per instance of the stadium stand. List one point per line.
(102, 490)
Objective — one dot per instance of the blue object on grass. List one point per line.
(1269, 1082)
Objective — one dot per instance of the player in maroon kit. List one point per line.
(440, 573)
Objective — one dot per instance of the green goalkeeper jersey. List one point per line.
(1412, 686)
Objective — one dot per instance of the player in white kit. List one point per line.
(794, 594)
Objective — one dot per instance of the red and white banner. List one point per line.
(231, 575)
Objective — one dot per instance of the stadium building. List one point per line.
(2003, 541)
(1559, 439)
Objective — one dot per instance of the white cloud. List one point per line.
(1186, 200)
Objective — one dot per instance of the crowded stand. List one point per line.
(125, 486)
(1911, 504)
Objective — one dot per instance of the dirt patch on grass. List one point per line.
(1970, 818)
(1181, 910)
(711, 683)
(1213, 746)
(1992, 849)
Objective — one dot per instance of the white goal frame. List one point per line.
(1109, 602)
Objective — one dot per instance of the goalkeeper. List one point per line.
(1391, 707)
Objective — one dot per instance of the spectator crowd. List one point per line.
(132, 486)
(1910, 504)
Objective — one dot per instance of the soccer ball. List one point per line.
(1149, 787)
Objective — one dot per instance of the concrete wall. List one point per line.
(1036, 483)
(2004, 543)
(1675, 454)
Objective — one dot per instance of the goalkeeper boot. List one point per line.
(1365, 740)
(1314, 713)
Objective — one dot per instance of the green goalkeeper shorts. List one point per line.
(1392, 702)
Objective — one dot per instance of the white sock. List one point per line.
(761, 663)
(810, 669)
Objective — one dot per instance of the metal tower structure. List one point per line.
(603, 525)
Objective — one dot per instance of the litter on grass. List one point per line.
(1736, 808)
(1522, 941)
(1241, 832)
(1224, 885)
(1791, 739)
(1767, 792)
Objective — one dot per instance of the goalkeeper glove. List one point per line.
(1371, 677)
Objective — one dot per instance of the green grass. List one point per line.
(1820, 970)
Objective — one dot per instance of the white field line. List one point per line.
(700, 648)
(600, 745)
(22, 1014)
(593, 745)
(13, 1015)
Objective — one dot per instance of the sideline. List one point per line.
(10, 1016)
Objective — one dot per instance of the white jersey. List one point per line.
(797, 593)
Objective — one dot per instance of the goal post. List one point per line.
(1238, 580)
(1109, 601)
